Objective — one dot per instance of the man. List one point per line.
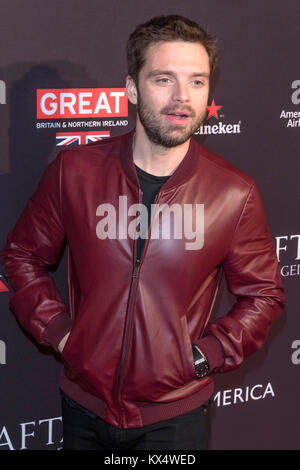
(152, 220)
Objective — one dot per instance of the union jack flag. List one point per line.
(80, 138)
(3, 287)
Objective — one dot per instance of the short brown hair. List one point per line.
(165, 29)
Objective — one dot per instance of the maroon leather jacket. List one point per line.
(129, 356)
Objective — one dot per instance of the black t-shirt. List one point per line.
(150, 186)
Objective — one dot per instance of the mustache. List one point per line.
(184, 110)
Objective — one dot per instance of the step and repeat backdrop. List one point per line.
(62, 82)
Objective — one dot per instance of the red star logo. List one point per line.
(213, 110)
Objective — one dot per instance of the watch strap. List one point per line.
(200, 361)
(199, 357)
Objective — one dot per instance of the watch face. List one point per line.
(202, 369)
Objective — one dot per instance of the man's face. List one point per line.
(172, 91)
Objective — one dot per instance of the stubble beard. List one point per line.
(165, 134)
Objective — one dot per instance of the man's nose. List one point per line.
(181, 92)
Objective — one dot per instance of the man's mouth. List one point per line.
(182, 116)
(178, 117)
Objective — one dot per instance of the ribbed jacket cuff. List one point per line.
(213, 351)
(57, 329)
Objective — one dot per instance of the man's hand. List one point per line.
(63, 342)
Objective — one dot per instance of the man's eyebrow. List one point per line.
(156, 72)
(200, 74)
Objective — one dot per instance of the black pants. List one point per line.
(82, 430)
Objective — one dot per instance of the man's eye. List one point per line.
(163, 80)
(197, 82)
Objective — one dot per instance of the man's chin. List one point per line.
(172, 138)
(169, 143)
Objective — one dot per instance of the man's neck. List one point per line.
(155, 159)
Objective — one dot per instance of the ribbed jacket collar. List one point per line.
(183, 171)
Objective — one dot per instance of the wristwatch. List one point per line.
(201, 364)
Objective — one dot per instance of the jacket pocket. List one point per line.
(190, 365)
(68, 355)
(64, 351)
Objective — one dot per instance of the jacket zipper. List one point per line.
(131, 296)
(132, 291)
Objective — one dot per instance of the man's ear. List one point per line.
(131, 90)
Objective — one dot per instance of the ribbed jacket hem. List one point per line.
(150, 414)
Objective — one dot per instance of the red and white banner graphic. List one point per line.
(81, 103)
